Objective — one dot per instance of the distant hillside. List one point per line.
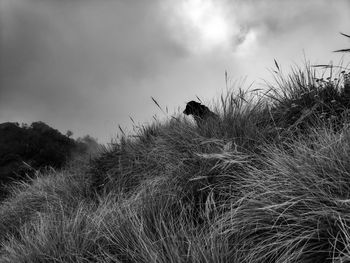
(27, 148)
(267, 181)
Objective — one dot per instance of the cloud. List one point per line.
(60, 59)
(276, 18)
(87, 65)
(201, 26)
(100, 38)
(235, 23)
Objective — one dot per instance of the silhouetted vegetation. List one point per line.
(25, 149)
(344, 49)
(302, 99)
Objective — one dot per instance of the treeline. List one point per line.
(25, 149)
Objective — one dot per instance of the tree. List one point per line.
(69, 133)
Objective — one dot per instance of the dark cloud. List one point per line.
(62, 56)
(88, 37)
(277, 18)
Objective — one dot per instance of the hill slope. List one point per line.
(24, 149)
(269, 182)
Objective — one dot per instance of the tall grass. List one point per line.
(268, 182)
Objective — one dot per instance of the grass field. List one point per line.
(269, 182)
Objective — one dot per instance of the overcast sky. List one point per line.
(88, 65)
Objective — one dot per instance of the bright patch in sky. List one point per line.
(207, 19)
(203, 24)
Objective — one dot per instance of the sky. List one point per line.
(89, 65)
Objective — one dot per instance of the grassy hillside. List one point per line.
(270, 182)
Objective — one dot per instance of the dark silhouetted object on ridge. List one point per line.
(200, 113)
